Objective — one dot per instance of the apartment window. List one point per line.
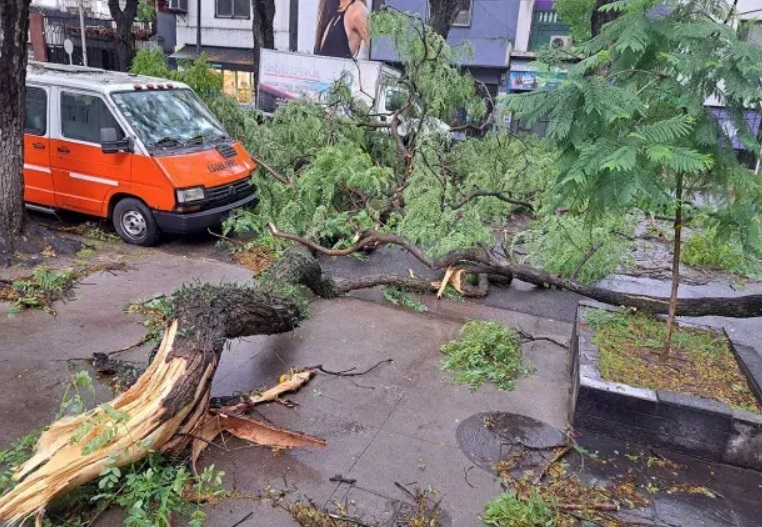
(463, 18)
(753, 34)
(232, 9)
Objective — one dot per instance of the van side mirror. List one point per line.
(110, 144)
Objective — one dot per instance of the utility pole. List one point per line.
(82, 32)
(198, 28)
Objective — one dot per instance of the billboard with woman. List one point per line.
(342, 29)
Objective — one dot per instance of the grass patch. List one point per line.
(701, 362)
(39, 290)
(508, 510)
(399, 296)
(486, 352)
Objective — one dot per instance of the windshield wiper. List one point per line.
(201, 138)
(167, 141)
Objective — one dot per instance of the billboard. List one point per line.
(334, 28)
(533, 80)
(284, 76)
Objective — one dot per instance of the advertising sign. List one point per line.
(335, 28)
(533, 80)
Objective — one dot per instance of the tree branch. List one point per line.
(499, 194)
(490, 262)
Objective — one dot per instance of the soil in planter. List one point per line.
(700, 363)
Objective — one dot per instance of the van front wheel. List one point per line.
(134, 222)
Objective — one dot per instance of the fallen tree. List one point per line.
(487, 261)
(167, 409)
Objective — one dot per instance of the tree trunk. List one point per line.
(124, 18)
(599, 18)
(442, 15)
(14, 26)
(486, 261)
(262, 20)
(162, 410)
(676, 248)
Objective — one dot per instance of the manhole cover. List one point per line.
(487, 438)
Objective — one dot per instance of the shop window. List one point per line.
(238, 84)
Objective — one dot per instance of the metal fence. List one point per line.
(100, 40)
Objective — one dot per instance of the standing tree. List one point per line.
(124, 18)
(14, 26)
(263, 15)
(634, 126)
(442, 15)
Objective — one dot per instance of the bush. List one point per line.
(486, 352)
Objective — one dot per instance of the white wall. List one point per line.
(744, 6)
(227, 32)
(524, 25)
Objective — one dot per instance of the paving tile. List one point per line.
(411, 462)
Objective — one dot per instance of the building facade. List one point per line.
(226, 39)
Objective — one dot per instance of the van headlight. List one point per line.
(188, 195)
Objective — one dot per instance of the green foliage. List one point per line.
(146, 11)
(430, 64)
(72, 402)
(707, 249)
(43, 287)
(569, 246)
(577, 13)
(152, 490)
(507, 510)
(487, 352)
(630, 119)
(14, 456)
(197, 74)
(399, 296)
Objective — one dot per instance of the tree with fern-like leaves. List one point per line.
(634, 126)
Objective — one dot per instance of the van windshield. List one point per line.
(168, 119)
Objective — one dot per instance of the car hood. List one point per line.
(208, 168)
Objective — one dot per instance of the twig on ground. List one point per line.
(350, 372)
(532, 338)
(560, 454)
(465, 475)
(239, 522)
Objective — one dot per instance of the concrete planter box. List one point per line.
(696, 426)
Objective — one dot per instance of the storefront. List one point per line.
(236, 65)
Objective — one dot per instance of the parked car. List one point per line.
(144, 152)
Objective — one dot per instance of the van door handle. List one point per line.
(38, 146)
(63, 150)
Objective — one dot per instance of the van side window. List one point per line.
(36, 111)
(83, 116)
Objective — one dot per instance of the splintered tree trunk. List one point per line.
(14, 26)
(442, 15)
(166, 407)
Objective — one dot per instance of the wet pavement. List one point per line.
(403, 423)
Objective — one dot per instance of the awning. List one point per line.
(241, 59)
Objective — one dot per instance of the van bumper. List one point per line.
(177, 223)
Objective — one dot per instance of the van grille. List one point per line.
(226, 150)
(228, 193)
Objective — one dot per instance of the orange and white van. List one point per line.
(141, 151)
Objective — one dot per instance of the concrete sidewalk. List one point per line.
(394, 425)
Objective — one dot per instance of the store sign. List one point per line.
(533, 80)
